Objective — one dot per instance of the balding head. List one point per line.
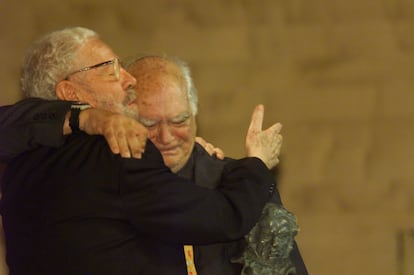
(152, 72)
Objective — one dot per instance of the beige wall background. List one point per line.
(337, 74)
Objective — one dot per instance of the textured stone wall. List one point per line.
(337, 74)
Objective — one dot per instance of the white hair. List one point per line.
(50, 59)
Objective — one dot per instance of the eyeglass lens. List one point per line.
(109, 70)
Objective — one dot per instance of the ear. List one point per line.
(66, 90)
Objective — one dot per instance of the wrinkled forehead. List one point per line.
(158, 82)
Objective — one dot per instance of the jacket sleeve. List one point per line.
(162, 204)
(30, 123)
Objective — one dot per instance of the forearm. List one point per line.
(31, 123)
(189, 213)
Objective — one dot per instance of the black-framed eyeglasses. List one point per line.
(111, 71)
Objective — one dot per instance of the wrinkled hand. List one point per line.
(210, 148)
(263, 144)
(124, 135)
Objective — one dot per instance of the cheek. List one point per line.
(113, 91)
(184, 134)
(118, 96)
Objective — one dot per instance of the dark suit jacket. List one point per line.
(79, 209)
(32, 118)
(30, 123)
(216, 259)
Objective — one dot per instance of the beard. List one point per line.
(107, 101)
(130, 97)
(129, 107)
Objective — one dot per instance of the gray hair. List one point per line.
(50, 59)
(185, 71)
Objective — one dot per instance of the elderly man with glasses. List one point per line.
(79, 209)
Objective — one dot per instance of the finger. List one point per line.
(275, 128)
(112, 142)
(219, 153)
(280, 139)
(136, 145)
(278, 143)
(143, 142)
(201, 141)
(278, 148)
(256, 122)
(123, 145)
(209, 148)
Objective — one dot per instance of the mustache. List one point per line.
(131, 96)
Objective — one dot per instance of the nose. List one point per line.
(128, 81)
(164, 133)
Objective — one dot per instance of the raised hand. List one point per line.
(263, 144)
(124, 134)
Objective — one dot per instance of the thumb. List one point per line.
(256, 122)
(274, 129)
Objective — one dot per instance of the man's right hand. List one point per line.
(125, 135)
(263, 144)
(210, 148)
